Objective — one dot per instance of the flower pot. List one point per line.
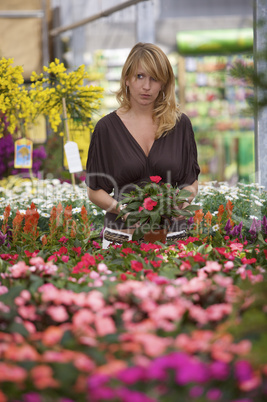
(156, 235)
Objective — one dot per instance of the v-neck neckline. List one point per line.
(135, 140)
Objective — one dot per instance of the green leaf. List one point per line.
(19, 328)
(169, 271)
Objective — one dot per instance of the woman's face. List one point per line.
(143, 88)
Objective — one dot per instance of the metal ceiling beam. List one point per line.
(22, 14)
(105, 13)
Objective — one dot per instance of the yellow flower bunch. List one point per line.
(49, 89)
(15, 103)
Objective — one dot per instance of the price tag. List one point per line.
(73, 157)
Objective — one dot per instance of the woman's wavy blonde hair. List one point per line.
(157, 65)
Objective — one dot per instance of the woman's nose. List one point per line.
(146, 83)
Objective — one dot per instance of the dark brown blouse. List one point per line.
(116, 160)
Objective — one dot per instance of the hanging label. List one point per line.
(73, 157)
(23, 154)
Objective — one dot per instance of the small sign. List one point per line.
(73, 157)
(23, 154)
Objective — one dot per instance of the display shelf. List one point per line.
(215, 103)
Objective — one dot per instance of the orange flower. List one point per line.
(67, 217)
(85, 219)
(73, 229)
(198, 216)
(6, 216)
(229, 209)
(31, 222)
(208, 218)
(59, 209)
(17, 224)
(44, 240)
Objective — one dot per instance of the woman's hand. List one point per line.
(179, 207)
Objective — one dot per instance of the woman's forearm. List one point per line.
(193, 189)
(103, 200)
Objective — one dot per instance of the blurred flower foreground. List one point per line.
(146, 322)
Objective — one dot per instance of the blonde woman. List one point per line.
(147, 135)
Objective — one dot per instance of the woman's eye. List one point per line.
(139, 75)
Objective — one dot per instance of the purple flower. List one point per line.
(2, 238)
(254, 228)
(228, 227)
(242, 400)
(195, 371)
(237, 230)
(190, 222)
(97, 380)
(127, 395)
(32, 397)
(131, 375)
(243, 371)
(196, 391)
(264, 225)
(219, 370)
(214, 394)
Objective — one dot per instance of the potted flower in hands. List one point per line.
(152, 206)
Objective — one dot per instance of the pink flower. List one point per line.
(212, 266)
(37, 261)
(12, 373)
(95, 300)
(136, 266)
(19, 270)
(149, 204)
(42, 376)
(27, 312)
(65, 258)
(155, 179)
(57, 313)
(3, 290)
(52, 335)
(63, 239)
(77, 250)
(104, 325)
(102, 267)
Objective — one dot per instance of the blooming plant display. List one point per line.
(55, 84)
(153, 205)
(16, 107)
(136, 322)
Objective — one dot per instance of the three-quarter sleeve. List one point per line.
(98, 175)
(191, 167)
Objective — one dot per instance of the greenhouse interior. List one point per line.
(157, 293)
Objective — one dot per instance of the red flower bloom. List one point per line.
(155, 179)
(136, 266)
(149, 204)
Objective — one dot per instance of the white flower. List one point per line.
(76, 210)
(258, 203)
(94, 211)
(253, 217)
(45, 214)
(215, 227)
